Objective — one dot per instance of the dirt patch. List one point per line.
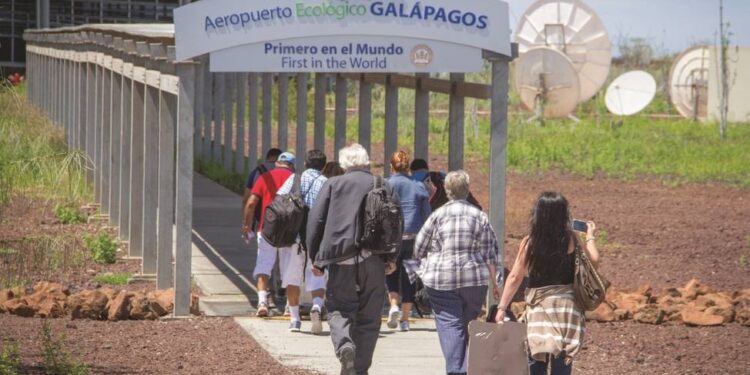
(655, 234)
(193, 346)
(34, 246)
(631, 348)
(658, 234)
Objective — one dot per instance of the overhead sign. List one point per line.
(214, 25)
(349, 54)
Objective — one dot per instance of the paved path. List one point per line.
(416, 352)
(222, 269)
(222, 262)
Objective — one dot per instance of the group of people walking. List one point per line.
(446, 242)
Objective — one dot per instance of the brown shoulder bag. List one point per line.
(589, 286)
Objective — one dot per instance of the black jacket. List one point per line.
(332, 222)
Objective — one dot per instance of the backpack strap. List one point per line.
(311, 184)
(296, 184)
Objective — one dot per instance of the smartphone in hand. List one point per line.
(580, 226)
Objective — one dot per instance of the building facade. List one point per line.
(19, 15)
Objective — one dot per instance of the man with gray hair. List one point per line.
(456, 252)
(355, 290)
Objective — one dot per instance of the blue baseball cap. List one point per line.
(287, 157)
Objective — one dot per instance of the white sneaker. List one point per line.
(393, 318)
(404, 326)
(317, 324)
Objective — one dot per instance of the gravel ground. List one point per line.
(632, 348)
(191, 346)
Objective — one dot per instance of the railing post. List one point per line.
(167, 112)
(199, 100)
(252, 150)
(421, 119)
(82, 99)
(498, 152)
(136, 151)
(283, 124)
(90, 109)
(320, 112)
(184, 178)
(217, 114)
(391, 124)
(127, 138)
(365, 114)
(207, 101)
(116, 133)
(106, 165)
(239, 157)
(229, 95)
(301, 120)
(339, 118)
(98, 95)
(267, 82)
(150, 158)
(456, 122)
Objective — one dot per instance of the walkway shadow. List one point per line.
(225, 263)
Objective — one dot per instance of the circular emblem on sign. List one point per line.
(421, 55)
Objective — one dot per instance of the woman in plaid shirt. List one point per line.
(457, 252)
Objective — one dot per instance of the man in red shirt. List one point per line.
(263, 192)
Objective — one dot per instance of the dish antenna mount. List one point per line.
(572, 28)
(630, 93)
(688, 82)
(547, 83)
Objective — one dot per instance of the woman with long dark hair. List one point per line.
(554, 323)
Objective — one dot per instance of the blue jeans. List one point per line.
(558, 366)
(453, 310)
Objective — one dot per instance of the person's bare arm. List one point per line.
(591, 251)
(514, 280)
(245, 197)
(249, 213)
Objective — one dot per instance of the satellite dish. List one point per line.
(688, 82)
(547, 82)
(572, 28)
(630, 93)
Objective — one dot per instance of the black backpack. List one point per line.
(381, 222)
(284, 218)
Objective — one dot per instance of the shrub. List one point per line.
(113, 278)
(10, 361)
(56, 359)
(103, 248)
(68, 214)
(34, 160)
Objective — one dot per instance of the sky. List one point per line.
(670, 26)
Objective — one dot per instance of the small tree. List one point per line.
(724, 35)
(635, 52)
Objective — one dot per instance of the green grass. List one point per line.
(214, 171)
(69, 214)
(10, 360)
(103, 248)
(34, 160)
(113, 278)
(673, 150)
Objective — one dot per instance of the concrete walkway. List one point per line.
(222, 269)
(222, 262)
(416, 352)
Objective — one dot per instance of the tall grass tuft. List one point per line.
(34, 160)
(57, 360)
